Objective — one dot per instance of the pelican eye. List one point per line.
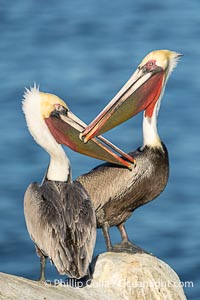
(58, 107)
(151, 64)
(61, 109)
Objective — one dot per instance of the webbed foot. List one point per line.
(127, 247)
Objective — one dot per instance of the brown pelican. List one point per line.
(119, 191)
(59, 215)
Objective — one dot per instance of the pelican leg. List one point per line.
(126, 245)
(42, 264)
(123, 233)
(105, 229)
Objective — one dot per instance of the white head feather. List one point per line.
(59, 166)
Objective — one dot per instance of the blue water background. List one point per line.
(84, 52)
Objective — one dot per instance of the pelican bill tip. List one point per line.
(83, 138)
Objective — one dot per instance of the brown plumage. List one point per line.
(61, 222)
(116, 192)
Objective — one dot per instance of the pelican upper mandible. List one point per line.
(119, 191)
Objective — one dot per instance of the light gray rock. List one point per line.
(116, 276)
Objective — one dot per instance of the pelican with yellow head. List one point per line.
(127, 190)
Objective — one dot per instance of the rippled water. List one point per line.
(84, 52)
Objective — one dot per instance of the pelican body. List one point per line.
(59, 214)
(118, 191)
(61, 222)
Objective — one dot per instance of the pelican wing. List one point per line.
(53, 224)
(82, 221)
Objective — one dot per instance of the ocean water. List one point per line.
(84, 53)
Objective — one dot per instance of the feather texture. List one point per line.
(61, 221)
(116, 192)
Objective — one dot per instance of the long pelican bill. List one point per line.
(141, 92)
(66, 130)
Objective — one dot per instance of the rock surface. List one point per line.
(116, 276)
